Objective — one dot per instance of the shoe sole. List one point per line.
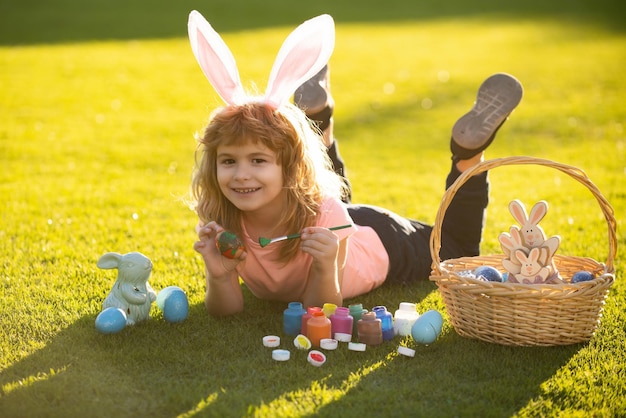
(311, 96)
(497, 97)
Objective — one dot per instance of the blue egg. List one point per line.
(427, 327)
(434, 318)
(176, 306)
(582, 276)
(505, 277)
(163, 294)
(111, 320)
(490, 273)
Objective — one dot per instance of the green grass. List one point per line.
(98, 106)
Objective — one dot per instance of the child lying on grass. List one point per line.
(268, 168)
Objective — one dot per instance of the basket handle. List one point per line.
(576, 173)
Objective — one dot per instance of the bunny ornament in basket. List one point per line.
(131, 292)
(527, 250)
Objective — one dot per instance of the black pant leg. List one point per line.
(406, 241)
(462, 228)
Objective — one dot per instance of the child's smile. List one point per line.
(250, 177)
(246, 190)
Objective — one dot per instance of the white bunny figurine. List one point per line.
(532, 271)
(528, 254)
(511, 242)
(532, 234)
(131, 292)
(303, 54)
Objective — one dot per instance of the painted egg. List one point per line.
(489, 273)
(582, 276)
(175, 306)
(111, 320)
(229, 244)
(164, 293)
(427, 327)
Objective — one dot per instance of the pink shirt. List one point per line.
(366, 266)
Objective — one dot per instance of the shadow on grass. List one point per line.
(39, 21)
(456, 377)
(219, 367)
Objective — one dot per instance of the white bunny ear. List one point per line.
(521, 256)
(538, 211)
(518, 210)
(303, 54)
(215, 59)
(109, 261)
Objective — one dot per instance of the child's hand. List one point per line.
(324, 278)
(216, 264)
(322, 244)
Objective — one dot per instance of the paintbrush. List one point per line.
(267, 241)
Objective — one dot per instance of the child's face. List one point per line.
(250, 177)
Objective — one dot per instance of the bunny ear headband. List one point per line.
(303, 54)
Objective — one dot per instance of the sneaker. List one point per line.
(314, 98)
(497, 96)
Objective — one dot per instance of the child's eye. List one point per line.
(258, 160)
(227, 161)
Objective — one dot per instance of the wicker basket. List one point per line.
(523, 314)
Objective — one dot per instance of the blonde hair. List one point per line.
(307, 171)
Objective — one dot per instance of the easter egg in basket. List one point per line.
(489, 273)
(582, 276)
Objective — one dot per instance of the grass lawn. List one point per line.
(99, 102)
